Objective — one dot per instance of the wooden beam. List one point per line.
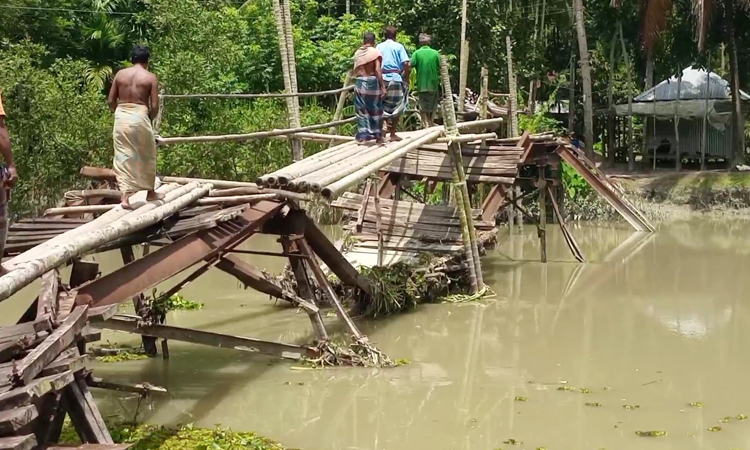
(131, 325)
(48, 426)
(149, 342)
(172, 259)
(494, 201)
(83, 272)
(134, 388)
(27, 442)
(85, 415)
(12, 420)
(45, 353)
(327, 252)
(36, 388)
(249, 275)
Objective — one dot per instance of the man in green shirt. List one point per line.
(426, 62)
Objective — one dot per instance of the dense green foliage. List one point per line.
(57, 58)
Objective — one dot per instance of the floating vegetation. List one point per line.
(595, 404)
(521, 399)
(111, 352)
(585, 391)
(359, 353)
(741, 417)
(401, 362)
(631, 406)
(696, 404)
(176, 302)
(654, 433)
(566, 388)
(726, 419)
(541, 448)
(715, 428)
(513, 442)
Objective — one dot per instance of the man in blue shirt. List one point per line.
(396, 67)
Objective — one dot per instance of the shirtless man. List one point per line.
(134, 98)
(8, 179)
(369, 91)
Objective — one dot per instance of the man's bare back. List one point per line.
(135, 85)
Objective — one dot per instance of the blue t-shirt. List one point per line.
(394, 57)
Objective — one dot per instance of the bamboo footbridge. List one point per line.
(201, 224)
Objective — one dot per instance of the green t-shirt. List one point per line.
(426, 62)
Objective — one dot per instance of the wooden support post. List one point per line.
(542, 187)
(363, 208)
(149, 342)
(304, 289)
(512, 91)
(325, 286)
(249, 275)
(379, 229)
(49, 412)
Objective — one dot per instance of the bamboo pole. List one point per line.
(270, 178)
(279, 14)
(320, 137)
(463, 68)
(103, 220)
(223, 184)
(235, 199)
(334, 189)
(468, 138)
(342, 90)
(484, 93)
(677, 151)
(610, 102)
(349, 150)
(341, 103)
(23, 274)
(297, 150)
(704, 137)
(247, 136)
(512, 90)
(463, 200)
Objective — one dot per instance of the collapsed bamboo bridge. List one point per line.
(201, 225)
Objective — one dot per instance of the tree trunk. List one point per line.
(610, 102)
(588, 107)
(512, 91)
(648, 83)
(704, 128)
(738, 122)
(572, 83)
(676, 120)
(631, 140)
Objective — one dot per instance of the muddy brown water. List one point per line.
(658, 322)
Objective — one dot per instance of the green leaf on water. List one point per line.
(541, 448)
(741, 417)
(631, 406)
(654, 433)
(726, 419)
(715, 428)
(696, 404)
(401, 362)
(521, 399)
(585, 391)
(593, 404)
(566, 388)
(513, 442)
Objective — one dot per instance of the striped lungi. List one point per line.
(368, 104)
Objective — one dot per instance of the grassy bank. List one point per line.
(185, 437)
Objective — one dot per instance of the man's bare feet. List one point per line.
(125, 203)
(153, 195)
(3, 271)
(380, 141)
(395, 138)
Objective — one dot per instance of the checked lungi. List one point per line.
(368, 105)
(394, 102)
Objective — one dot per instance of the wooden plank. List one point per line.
(36, 388)
(131, 325)
(72, 363)
(140, 388)
(43, 226)
(85, 415)
(494, 201)
(139, 305)
(18, 442)
(45, 353)
(53, 220)
(12, 420)
(101, 313)
(47, 303)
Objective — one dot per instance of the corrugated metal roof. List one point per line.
(693, 86)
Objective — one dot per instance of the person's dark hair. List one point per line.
(390, 32)
(140, 54)
(369, 38)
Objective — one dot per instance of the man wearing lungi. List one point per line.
(396, 66)
(9, 179)
(426, 61)
(134, 98)
(368, 91)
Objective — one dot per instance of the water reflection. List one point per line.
(658, 319)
